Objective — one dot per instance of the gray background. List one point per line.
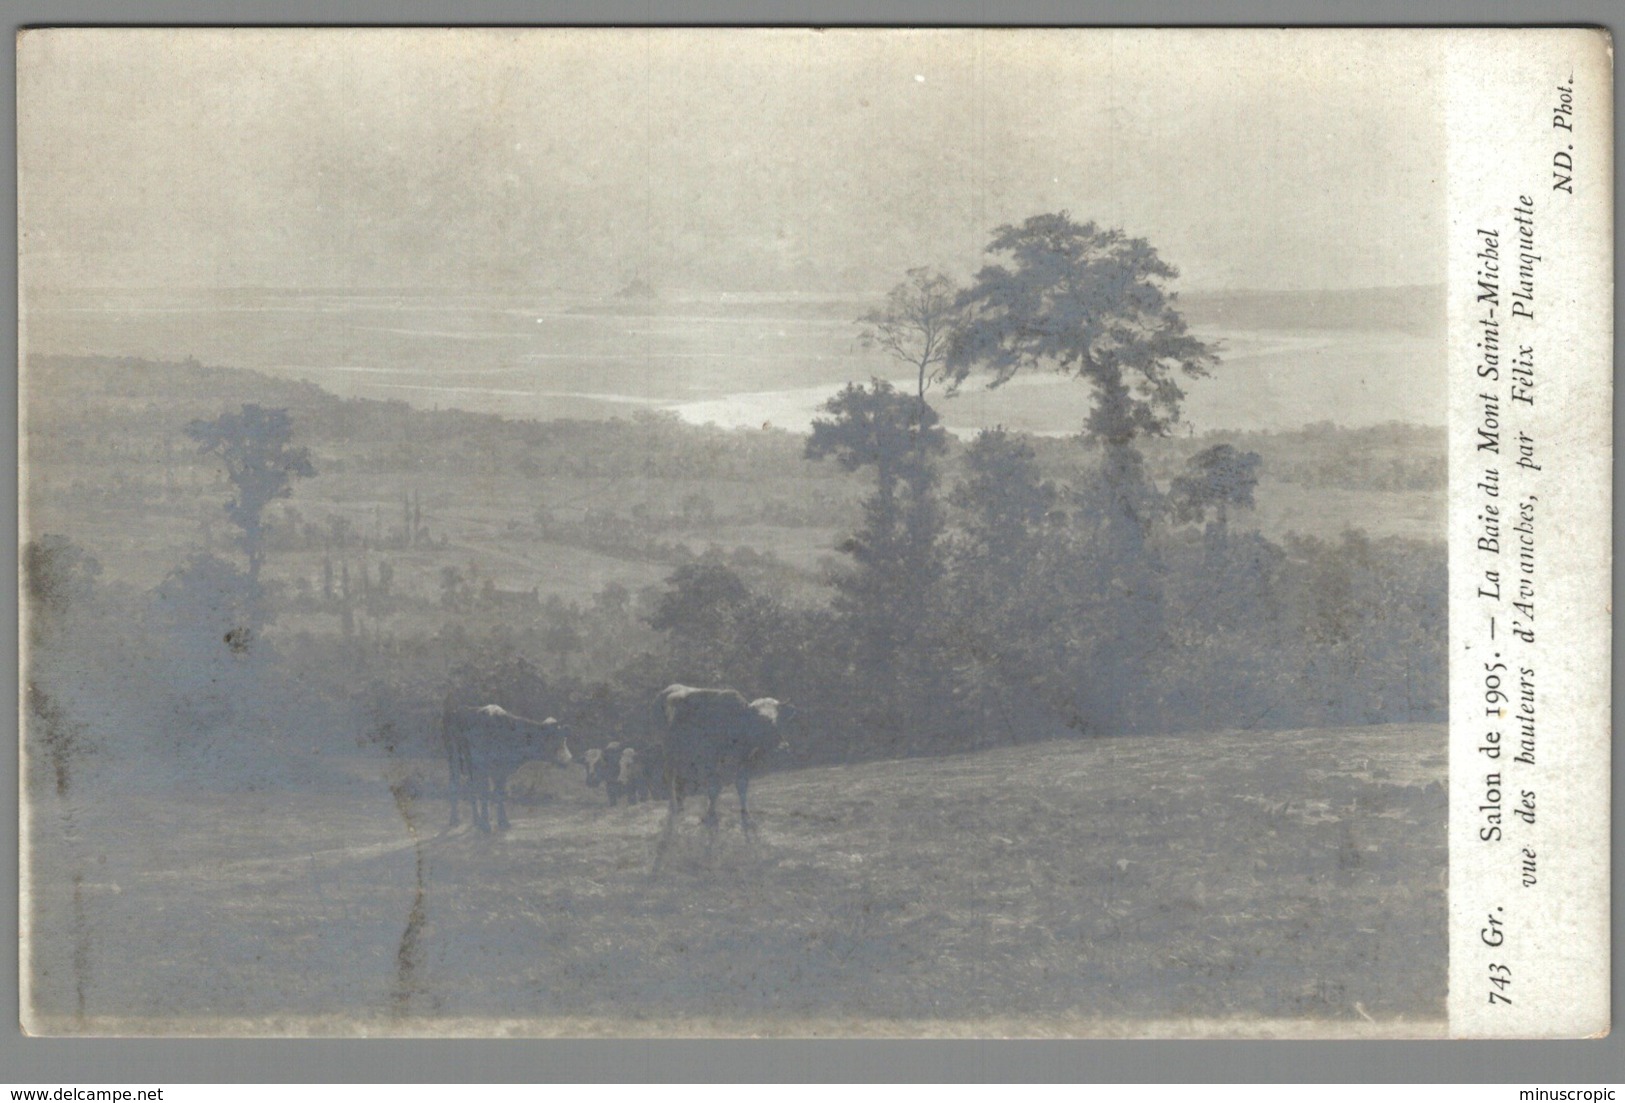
(47, 1062)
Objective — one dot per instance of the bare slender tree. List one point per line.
(914, 326)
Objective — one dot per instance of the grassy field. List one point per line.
(1244, 883)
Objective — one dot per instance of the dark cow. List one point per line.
(643, 773)
(714, 736)
(485, 745)
(637, 773)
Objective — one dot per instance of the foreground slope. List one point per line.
(1282, 882)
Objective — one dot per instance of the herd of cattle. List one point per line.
(708, 738)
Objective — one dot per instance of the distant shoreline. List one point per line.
(1287, 359)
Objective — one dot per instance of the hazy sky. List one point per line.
(486, 160)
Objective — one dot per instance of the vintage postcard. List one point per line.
(793, 533)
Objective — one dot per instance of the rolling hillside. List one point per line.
(1244, 883)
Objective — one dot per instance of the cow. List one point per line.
(637, 773)
(601, 765)
(485, 745)
(714, 736)
(643, 773)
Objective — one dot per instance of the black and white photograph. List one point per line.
(746, 532)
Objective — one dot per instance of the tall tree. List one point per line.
(886, 601)
(878, 427)
(1093, 304)
(1001, 599)
(914, 325)
(256, 445)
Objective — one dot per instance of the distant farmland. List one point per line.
(108, 465)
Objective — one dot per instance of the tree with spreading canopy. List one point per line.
(1091, 303)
